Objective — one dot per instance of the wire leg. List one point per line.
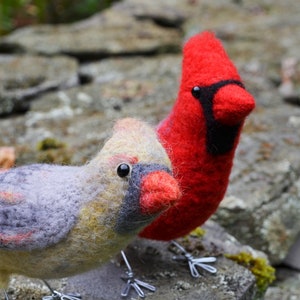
(5, 295)
(132, 283)
(193, 262)
(59, 296)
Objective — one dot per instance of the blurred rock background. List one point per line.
(74, 69)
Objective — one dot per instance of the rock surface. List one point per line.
(25, 77)
(109, 33)
(122, 63)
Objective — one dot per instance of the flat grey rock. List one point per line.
(110, 33)
(26, 76)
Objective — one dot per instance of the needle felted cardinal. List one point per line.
(201, 134)
(56, 221)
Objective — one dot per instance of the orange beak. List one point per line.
(159, 191)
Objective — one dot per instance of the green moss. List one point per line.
(49, 143)
(53, 151)
(264, 273)
(19, 13)
(198, 232)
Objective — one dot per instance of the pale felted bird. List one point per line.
(57, 221)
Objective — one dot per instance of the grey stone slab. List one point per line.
(110, 33)
(27, 76)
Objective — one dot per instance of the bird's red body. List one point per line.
(201, 134)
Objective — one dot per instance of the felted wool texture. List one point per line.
(153, 200)
(132, 136)
(220, 136)
(132, 212)
(32, 216)
(56, 221)
(193, 135)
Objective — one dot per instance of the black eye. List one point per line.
(123, 169)
(196, 92)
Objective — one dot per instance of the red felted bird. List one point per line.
(201, 134)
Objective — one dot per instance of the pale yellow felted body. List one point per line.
(93, 240)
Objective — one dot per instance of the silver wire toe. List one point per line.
(136, 284)
(200, 262)
(59, 296)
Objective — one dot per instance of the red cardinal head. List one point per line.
(209, 76)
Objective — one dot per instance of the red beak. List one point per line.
(159, 191)
(232, 104)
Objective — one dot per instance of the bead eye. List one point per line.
(123, 170)
(196, 91)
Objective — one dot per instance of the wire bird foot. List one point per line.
(134, 283)
(59, 296)
(5, 295)
(200, 262)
